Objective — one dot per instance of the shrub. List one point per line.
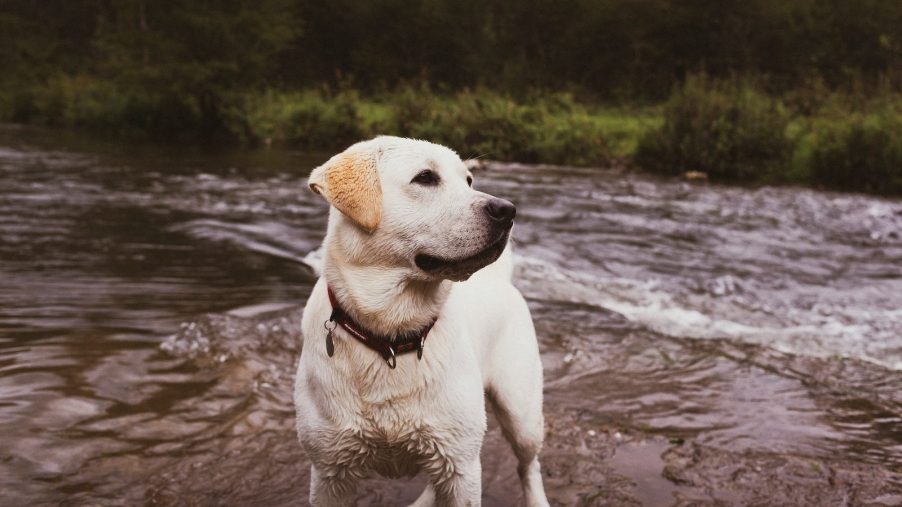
(85, 101)
(728, 130)
(574, 139)
(497, 126)
(858, 152)
(311, 119)
(485, 123)
(325, 122)
(418, 112)
(67, 101)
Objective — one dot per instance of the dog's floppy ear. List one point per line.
(350, 182)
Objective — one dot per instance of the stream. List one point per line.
(703, 344)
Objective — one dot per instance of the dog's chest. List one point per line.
(400, 453)
(386, 446)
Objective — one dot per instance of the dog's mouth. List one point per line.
(461, 269)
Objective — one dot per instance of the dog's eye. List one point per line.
(426, 177)
(470, 181)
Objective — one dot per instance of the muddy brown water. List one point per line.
(703, 345)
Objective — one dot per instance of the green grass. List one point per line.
(550, 129)
(731, 130)
(862, 151)
(624, 128)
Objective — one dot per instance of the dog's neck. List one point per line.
(384, 300)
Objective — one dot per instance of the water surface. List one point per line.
(150, 300)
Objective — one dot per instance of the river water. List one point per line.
(703, 344)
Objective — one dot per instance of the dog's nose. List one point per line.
(500, 210)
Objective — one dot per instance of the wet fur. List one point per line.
(355, 415)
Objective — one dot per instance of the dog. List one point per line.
(413, 323)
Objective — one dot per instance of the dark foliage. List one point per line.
(728, 130)
(605, 48)
(862, 152)
(508, 80)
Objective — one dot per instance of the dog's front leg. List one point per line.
(462, 489)
(331, 491)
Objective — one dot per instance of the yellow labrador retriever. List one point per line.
(412, 323)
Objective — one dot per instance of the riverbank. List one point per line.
(729, 130)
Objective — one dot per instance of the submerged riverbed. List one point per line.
(703, 344)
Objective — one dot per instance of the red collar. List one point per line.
(388, 347)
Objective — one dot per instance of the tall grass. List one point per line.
(87, 102)
(731, 130)
(309, 119)
(862, 151)
(550, 129)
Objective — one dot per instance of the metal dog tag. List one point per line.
(330, 343)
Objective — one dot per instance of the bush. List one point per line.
(728, 130)
(84, 101)
(574, 139)
(330, 123)
(859, 152)
(418, 112)
(496, 126)
(483, 123)
(67, 101)
(475, 123)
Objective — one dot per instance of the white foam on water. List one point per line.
(854, 333)
(650, 305)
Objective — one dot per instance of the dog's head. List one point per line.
(410, 204)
